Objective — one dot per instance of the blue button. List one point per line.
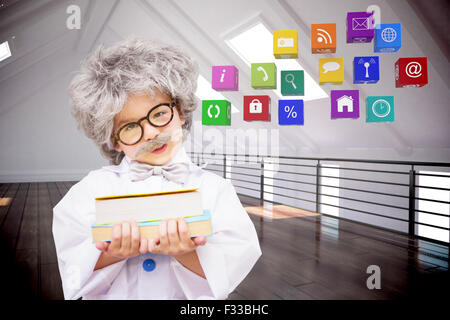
(149, 265)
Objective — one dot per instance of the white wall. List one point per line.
(48, 147)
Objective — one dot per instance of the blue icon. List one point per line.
(366, 70)
(290, 112)
(388, 37)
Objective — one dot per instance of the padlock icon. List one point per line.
(255, 106)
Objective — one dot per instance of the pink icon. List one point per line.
(225, 78)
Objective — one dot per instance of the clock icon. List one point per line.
(381, 108)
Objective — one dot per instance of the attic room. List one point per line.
(337, 182)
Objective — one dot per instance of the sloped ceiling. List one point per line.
(39, 37)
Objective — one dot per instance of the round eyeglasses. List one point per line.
(158, 116)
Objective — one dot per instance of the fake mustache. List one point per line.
(157, 142)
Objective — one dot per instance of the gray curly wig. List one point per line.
(136, 65)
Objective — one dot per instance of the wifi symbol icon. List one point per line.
(323, 38)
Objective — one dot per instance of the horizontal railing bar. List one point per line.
(408, 163)
(433, 213)
(363, 201)
(363, 180)
(366, 212)
(368, 170)
(367, 191)
(432, 200)
(234, 166)
(214, 170)
(433, 175)
(433, 188)
(298, 173)
(283, 195)
(244, 174)
(254, 182)
(430, 225)
(287, 180)
(246, 188)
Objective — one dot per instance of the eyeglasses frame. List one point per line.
(169, 104)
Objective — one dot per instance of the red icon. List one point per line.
(411, 72)
(256, 108)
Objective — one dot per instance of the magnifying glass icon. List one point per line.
(290, 78)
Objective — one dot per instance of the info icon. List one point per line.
(225, 78)
(380, 109)
(290, 112)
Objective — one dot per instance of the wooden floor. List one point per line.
(315, 257)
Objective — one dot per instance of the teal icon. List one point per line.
(292, 82)
(380, 109)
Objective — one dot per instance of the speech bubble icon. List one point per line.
(330, 66)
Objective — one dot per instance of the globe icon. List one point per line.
(388, 34)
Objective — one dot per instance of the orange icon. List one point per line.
(323, 38)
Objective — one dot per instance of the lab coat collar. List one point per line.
(124, 166)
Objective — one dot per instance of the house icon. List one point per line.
(345, 101)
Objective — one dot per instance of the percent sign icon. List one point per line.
(290, 112)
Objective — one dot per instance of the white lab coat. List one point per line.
(227, 257)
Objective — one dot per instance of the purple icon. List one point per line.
(360, 26)
(225, 78)
(344, 104)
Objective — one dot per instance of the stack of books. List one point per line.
(149, 209)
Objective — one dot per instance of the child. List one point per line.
(135, 100)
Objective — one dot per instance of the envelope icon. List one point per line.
(360, 24)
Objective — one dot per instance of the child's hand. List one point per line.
(125, 243)
(174, 239)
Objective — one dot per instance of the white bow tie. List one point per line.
(176, 172)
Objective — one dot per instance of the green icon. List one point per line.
(293, 83)
(380, 109)
(216, 112)
(264, 76)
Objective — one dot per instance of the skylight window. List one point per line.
(5, 52)
(206, 92)
(256, 45)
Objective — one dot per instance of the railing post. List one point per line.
(412, 202)
(317, 185)
(224, 166)
(261, 196)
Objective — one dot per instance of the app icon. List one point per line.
(263, 76)
(225, 78)
(388, 37)
(366, 70)
(344, 104)
(331, 70)
(380, 109)
(285, 44)
(290, 112)
(257, 108)
(323, 38)
(411, 72)
(216, 112)
(360, 27)
(292, 82)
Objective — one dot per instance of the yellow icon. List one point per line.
(331, 70)
(285, 44)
